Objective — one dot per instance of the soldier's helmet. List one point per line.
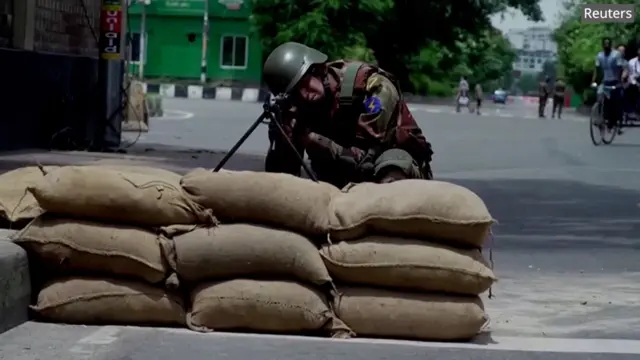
(287, 64)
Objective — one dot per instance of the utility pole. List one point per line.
(143, 38)
(205, 41)
(113, 30)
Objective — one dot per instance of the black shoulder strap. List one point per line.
(349, 82)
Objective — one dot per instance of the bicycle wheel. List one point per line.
(596, 124)
(608, 134)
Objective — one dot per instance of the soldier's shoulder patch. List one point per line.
(372, 105)
(373, 83)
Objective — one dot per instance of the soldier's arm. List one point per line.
(393, 121)
(281, 157)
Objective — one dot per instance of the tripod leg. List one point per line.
(300, 157)
(244, 138)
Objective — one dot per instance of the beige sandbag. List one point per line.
(108, 301)
(140, 169)
(240, 250)
(265, 306)
(411, 208)
(16, 203)
(280, 200)
(130, 197)
(77, 245)
(389, 314)
(408, 264)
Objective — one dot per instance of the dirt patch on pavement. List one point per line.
(585, 305)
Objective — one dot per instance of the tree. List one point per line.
(427, 45)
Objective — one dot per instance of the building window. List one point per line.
(233, 52)
(135, 50)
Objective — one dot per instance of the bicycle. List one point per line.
(597, 121)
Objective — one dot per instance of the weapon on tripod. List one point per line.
(272, 116)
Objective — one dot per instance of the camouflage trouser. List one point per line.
(391, 165)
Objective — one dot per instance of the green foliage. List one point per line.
(579, 42)
(427, 45)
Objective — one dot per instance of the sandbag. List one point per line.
(109, 195)
(243, 250)
(411, 316)
(408, 264)
(80, 246)
(141, 169)
(16, 203)
(263, 306)
(107, 301)
(279, 200)
(411, 208)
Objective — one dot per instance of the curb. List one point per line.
(15, 283)
(207, 92)
(248, 94)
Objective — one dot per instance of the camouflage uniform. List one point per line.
(360, 132)
(543, 93)
(558, 98)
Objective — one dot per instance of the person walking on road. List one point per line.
(543, 94)
(479, 95)
(558, 98)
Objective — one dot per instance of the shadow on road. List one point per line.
(559, 214)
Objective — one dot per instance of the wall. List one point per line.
(54, 89)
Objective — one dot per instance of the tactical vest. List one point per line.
(352, 96)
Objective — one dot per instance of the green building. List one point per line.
(172, 47)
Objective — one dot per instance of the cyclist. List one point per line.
(610, 67)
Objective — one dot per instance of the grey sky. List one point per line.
(515, 20)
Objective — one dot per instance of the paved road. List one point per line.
(566, 248)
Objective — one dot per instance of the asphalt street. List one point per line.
(566, 248)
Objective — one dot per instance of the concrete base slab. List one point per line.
(52, 341)
(15, 284)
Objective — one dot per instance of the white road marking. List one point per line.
(87, 347)
(174, 115)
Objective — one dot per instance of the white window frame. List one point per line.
(143, 52)
(246, 51)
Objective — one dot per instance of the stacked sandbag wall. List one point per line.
(96, 246)
(260, 270)
(258, 252)
(407, 256)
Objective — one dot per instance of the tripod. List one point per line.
(272, 116)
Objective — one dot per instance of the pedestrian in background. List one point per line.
(543, 93)
(479, 96)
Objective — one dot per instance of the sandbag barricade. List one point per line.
(259, 252)
(254, 278)
(407, 260)
(96, 252)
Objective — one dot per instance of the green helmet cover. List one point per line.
(287, 64)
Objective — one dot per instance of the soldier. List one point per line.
(558, 98)
(348, 116)
(543, 93)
